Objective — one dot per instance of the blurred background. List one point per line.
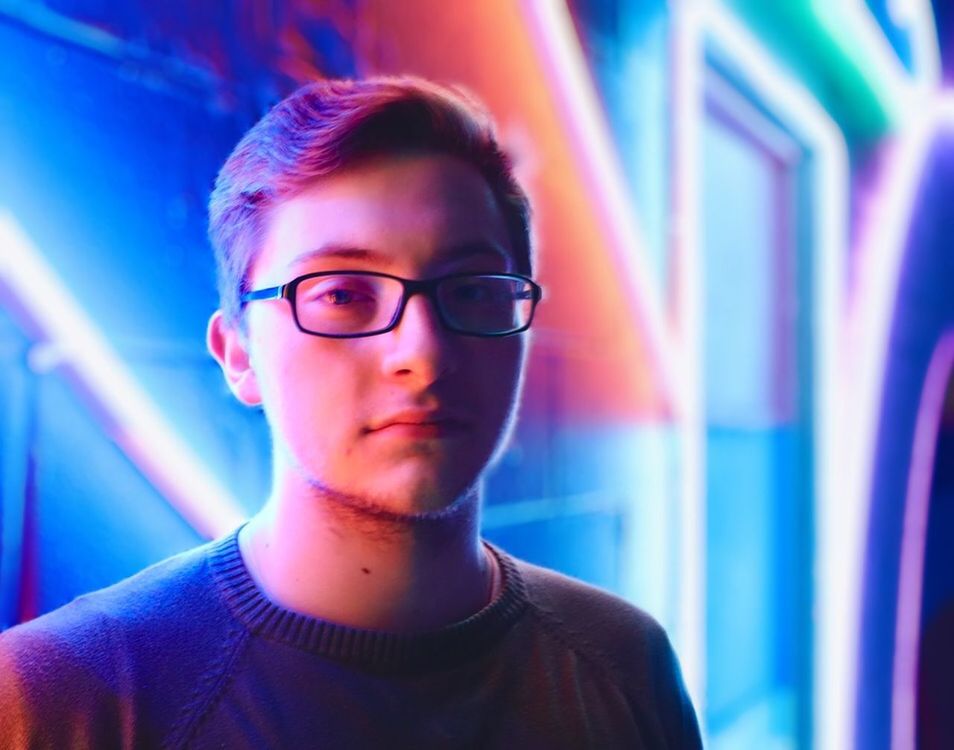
(739, 412)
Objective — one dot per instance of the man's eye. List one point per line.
(339, 296)
(472, 293)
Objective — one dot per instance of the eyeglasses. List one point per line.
(351, 304)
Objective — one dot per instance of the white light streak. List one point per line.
(839, 526)
(872, 304)
(71, 340)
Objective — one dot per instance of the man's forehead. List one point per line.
(421, 210)
(481, 250)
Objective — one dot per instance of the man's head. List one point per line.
(388, 177)
(328, 126)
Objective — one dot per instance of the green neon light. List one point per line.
(862, 87)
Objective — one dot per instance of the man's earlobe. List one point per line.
(230, 349)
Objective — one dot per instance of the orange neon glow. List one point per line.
(592, 361)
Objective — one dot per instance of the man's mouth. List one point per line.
(418, 424)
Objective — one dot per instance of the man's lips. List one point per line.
(418, 423)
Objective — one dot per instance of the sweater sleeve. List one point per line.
(54, 695)
(14, 717)
(677, 714)
(129, 666)
(630, 645)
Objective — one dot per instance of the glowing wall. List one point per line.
(740, 229)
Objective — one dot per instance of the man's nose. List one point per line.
(419, 349)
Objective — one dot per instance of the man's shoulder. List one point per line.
(138, 646)
(624, 643)
(135, 656)
(159, 609)
(165, 591)
(591, 615)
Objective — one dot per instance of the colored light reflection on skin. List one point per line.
(702, 26)
(69, 340)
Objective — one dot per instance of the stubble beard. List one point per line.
(375, 517)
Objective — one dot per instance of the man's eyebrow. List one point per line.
(343, 252)
(464, 250)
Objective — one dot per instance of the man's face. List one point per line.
(407, 419)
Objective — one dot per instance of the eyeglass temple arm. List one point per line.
(272, 292)
(535, 292)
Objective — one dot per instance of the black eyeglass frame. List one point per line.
(427, 287)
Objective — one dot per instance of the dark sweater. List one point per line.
(190, 653)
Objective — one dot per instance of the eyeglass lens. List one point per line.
(350, 304)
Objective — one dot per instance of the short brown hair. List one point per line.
(329, 125)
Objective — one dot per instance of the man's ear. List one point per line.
(229, 347)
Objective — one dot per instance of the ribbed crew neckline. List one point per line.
(375, 650)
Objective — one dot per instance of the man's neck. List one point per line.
(401, 576)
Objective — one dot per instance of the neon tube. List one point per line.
(913, 545)
(137, 425)
(552, 27)
(917, 16)
(838, 592)
(853, 25)
(880, 253)
(686, 118)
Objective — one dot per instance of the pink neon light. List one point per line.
(880, 251)
(69, 339)
(913, 543)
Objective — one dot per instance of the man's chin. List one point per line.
(426, 504)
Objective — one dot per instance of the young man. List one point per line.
(375, 264)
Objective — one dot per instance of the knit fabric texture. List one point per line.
(191, 654)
